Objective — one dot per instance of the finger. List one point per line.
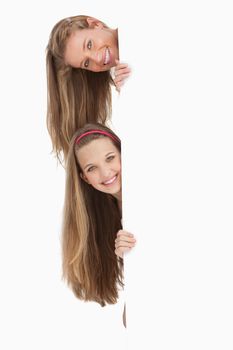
(121, 78)
(123, 249)
(121, 75)
(119, 85)
(125, 239)
(122, 245)
(125, 70)
(123, 232)
(122, 67)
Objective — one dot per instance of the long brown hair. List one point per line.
(75, 96)
(90, 224)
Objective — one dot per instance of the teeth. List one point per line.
(110, 181)
(107, 56)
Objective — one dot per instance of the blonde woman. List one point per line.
(93, 239)
(80, 54)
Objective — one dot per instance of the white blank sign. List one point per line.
(175, 121)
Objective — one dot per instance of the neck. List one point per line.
(119, 200)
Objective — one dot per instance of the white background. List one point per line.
(175, 120)
(38, 311)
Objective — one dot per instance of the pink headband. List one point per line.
(96, 132)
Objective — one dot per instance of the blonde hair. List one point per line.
(75, 96)
(90, 224)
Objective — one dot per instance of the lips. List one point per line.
(110, 181)
(107, 56)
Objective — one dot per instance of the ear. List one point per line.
(94, 23)
(83, 177)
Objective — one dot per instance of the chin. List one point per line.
(115, 191)
(112, 191)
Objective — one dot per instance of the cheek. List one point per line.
(96, 41)
(118, 166)
(93, 179)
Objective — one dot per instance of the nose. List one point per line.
(105, 173)
(96, 57)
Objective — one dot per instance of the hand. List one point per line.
(124, 242)
(122, 72)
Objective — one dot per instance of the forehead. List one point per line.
(74, 46)
(96, 150)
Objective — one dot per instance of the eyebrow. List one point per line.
(109, 153)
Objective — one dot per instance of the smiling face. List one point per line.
(100, 161)
(94, 48)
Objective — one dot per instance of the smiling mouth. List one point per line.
(107, 56)
(110, 181)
